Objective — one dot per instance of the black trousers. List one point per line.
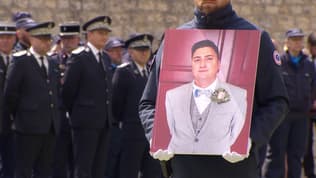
(114, 152)
(308, 163)
(63, 159)
(7, 153)
(34, 155)
(193, 166)
(290, 140)
(90, 149)
(135, 159)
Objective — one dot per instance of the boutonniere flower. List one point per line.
(220, 96)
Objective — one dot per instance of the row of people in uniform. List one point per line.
(66, 114)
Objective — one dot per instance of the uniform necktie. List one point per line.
(199, 92)
(7, 60)
(43, 68)
(144, 73)
(100, 60)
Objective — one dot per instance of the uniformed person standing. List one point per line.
(129, 81)
(308, 162)
(7, 40)
(69, 33)
(31, 96)
(270, 99)
(23, 20)
(114, 47)
(289, 142)
(87, 95)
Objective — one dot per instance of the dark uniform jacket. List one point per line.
(128, 86)
(61, 60)
(87, 90)
(5, 120)
(270, 97)
(300, 83)
(3, 70)
(30, 97)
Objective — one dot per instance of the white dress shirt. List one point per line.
(203, 101)
(5, 56)
(140, 69)
(37, 56)
(94, 50)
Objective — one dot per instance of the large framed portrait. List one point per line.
(224, 123)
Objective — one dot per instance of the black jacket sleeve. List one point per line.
(71, 82)
(12, 90)
(270, 100)
(119, 88)
(148, 101)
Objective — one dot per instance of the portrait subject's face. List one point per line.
(208, 6)
(205, 66)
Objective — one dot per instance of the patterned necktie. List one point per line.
(43, 68)
(199, 92)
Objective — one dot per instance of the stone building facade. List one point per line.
(154, 16)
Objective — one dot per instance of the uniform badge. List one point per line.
(62, 66)
(145, 40)
(277, 58)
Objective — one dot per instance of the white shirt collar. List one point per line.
(37, 57)
(4, 56)
(94, 50)
(203, 101)
(211, 87)
(140, 68)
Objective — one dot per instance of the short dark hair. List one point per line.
(202, 44)
(311, 39)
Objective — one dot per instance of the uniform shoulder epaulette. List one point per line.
(78, 50)
(51, 53)
(20, 53)
(123, 65)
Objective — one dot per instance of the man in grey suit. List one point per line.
(211, 114)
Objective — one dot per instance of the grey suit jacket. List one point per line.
(222, 127)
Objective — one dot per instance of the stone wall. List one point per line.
(154, 16)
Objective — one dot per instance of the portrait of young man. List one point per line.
(205, 116)
(205, 94)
